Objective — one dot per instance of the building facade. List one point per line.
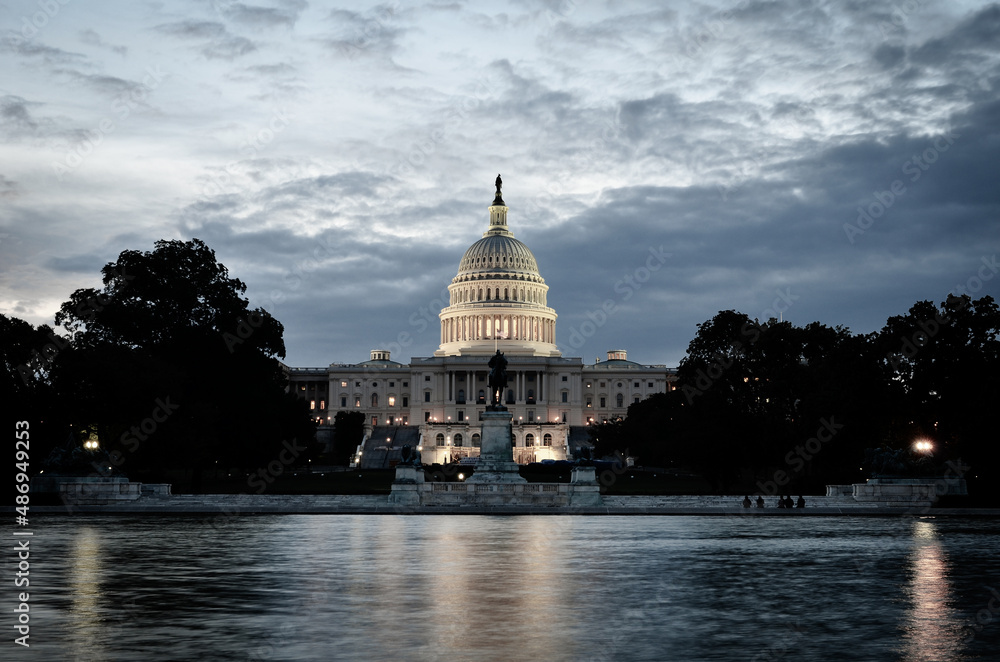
(498, 300)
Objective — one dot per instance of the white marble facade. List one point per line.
(498, 300)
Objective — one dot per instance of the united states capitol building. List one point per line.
(498, 300)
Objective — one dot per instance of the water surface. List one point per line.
(339, 587)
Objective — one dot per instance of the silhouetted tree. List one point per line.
(174, 367)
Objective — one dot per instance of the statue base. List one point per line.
(496, 455)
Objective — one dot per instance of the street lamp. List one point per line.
(923, 446)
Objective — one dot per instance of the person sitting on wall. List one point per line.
(801, 503)
(746, 501)
(760, 501)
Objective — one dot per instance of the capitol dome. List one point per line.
(498, 298)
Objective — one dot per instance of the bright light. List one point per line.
(923, 446)
(461, 476)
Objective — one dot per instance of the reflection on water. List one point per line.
(509, 588)
(932, 630)
(85, 579)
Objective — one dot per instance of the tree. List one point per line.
(945, 360)
(173, 365)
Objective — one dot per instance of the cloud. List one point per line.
(91, 38)
(262, 17)
(216, 41)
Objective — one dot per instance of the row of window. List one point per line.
(391, 400)
(459, 440)
(619, 401)
(473, 294)
(392, 384)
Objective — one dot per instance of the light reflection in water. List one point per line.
(931, 629)
(87, 572)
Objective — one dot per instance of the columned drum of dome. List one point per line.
(498, 298)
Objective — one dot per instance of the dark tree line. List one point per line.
(772, 405)
(166, 362)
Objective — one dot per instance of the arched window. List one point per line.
(461, 395)
(477, 441)
(505, 293)
(529, 439)
(510, 396)
(498, 294)
(515, 294)
(482, 396)
(480, 297)
(374, 399)
(439, 440)
(458, 440)
(620, 400)
(487, 294)
(547, 440)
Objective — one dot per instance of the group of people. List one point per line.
(783, 502)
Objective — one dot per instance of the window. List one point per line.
(343, 401)
(482, 396)
(374, 421)
(531, 396)
(461, 396)
(564, 417)
(635, 400)
(461, 414)
(374, 399)
(547, 440)
(427, 378)
(636, 384)
(406, 401)
(357, 401)
(427, 416)
(477, 441)
(343, 383)
(302, 388)
(603, 402)
(510, 396)
(405, 384)
(529, 439)
(590, 402)
(392, 401)
(312, 404)
(565, 378)
(439, 440)
(375, 384)
(322, 404)
(650, 384)
(565, 396)
(619, 385)
(620, 400)
(427, 396)
(603, 384)
(357, 384)
(458, 440)
(531, 415)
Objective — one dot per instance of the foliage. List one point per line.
(754, 399)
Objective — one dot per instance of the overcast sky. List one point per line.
(665, 163)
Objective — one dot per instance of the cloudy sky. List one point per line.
(822, 161)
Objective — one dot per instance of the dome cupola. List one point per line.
(498, 298)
